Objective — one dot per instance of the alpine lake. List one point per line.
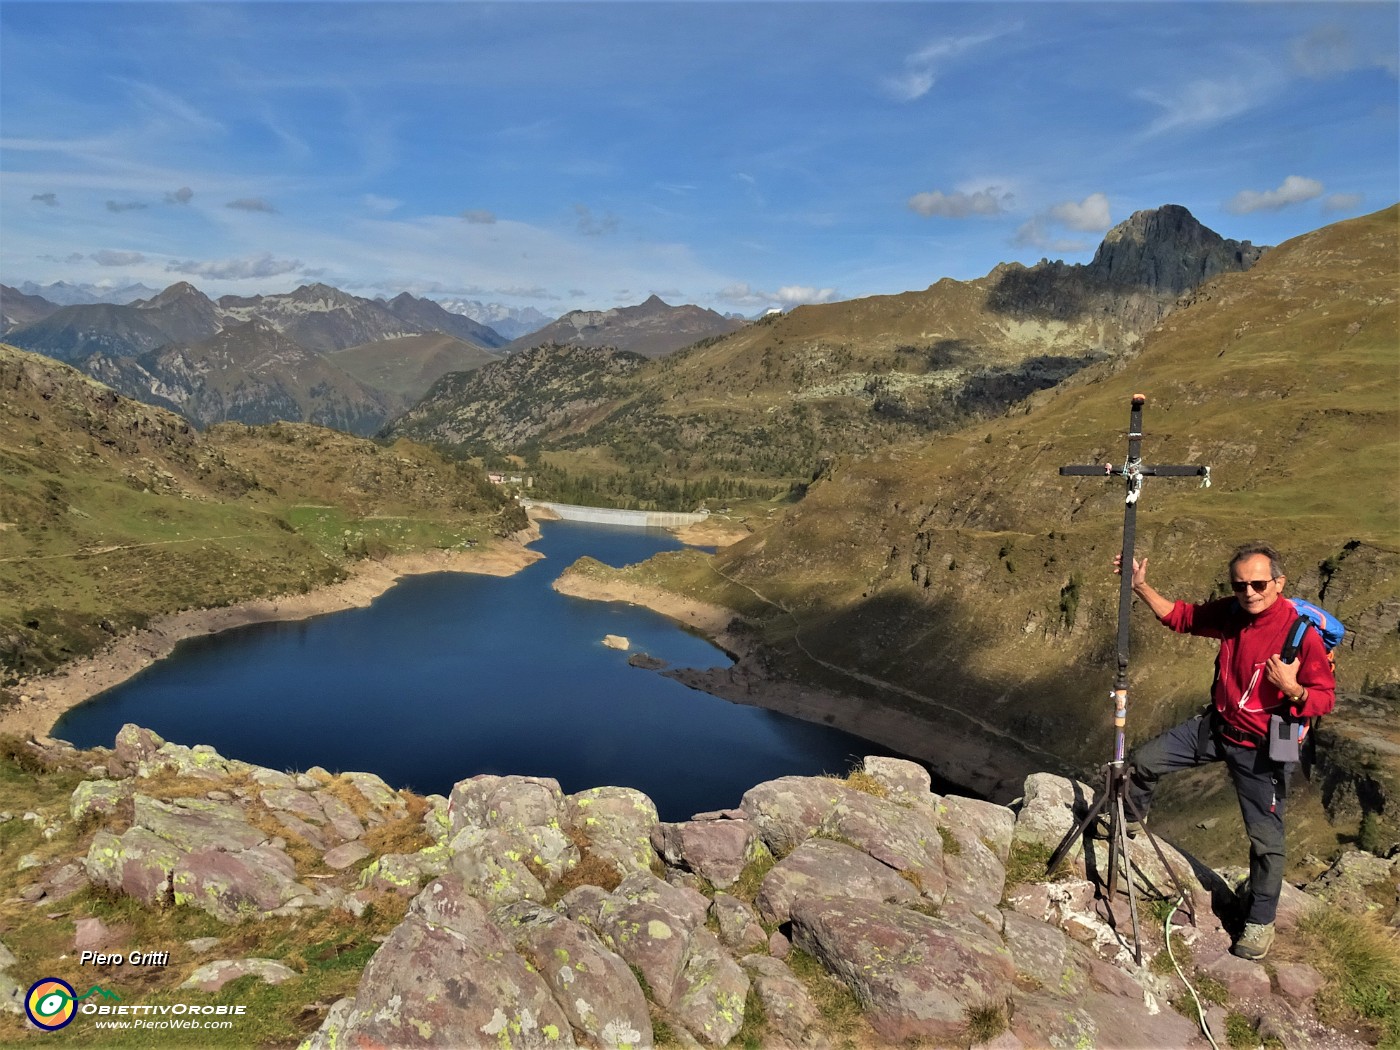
(450, 675)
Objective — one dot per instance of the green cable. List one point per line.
(1200, 1010)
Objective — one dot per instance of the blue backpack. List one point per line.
(1328, 628)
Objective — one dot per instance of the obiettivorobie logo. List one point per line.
(52, 1003)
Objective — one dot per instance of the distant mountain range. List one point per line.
(652, 329)
(775, 399)
(315, 354)
(509, 321)
(790, 389)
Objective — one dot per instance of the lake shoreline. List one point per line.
(45, 699)
(975, 763)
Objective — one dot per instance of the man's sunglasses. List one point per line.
(1239, 586)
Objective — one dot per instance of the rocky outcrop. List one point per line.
(1142, 267)
(544, 919)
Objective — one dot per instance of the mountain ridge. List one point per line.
(777, 398)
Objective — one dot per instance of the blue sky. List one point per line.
(735, 155)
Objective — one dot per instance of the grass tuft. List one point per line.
(985, 1022)
(1361, 962)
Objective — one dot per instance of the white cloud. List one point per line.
(1293, 190)
(797, 294)
(922, 68)
(1090, 215)
(1203, 103)
(587, 224)
(1034, 234)
(380, 205)
(744, 295)
(109, 258)
(1329, 51)
(959, 204)
(1343, 201)
(247, 268)
(251, 204)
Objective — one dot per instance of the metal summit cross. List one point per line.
(1114, 795)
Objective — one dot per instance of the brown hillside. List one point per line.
(966, 571)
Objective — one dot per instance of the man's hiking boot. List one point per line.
(1255, 942)
(1101, 829)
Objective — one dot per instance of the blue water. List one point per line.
(449, 675)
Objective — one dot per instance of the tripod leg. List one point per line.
(1116, 830)
(1122, 843)
(1171, 872)
(1068, 842)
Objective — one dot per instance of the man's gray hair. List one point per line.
(1248, 550)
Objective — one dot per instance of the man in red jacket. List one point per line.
(1251, 684)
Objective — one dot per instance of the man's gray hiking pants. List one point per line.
(1261, 785)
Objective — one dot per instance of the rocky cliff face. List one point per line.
(509, 402)
(1142, 266)
(867, 908)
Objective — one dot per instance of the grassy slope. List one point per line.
(967, 569)
(409, 365)
(772, 401)
(112, 512)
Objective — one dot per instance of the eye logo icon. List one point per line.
(50, 1004)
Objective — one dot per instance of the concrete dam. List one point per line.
(663, 519)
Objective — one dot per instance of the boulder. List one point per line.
(197, 824)
(821, 867)
(716, 850)
(212, 976)
(492, 866)
(341, 820)
(594, 987)
(616, 641)
(384, 801)
(616, 823)
(710, 991)
(905, 838)
(344, 855)
(648, 939)
(99, 797)
(235, 885)
(135, 744)
(138, 864)
(299, 803)
(789, 810)
(739, 930)
(1050, 807)
(787, 1006)
(1043, 953)
(524, 816)
(906, 782)
(916, 976)
(687, 906)
(446, 976)
(200, 761)
(404, 873)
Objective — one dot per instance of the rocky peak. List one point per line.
(1167, 250)
(180, 291)
(320, 293)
